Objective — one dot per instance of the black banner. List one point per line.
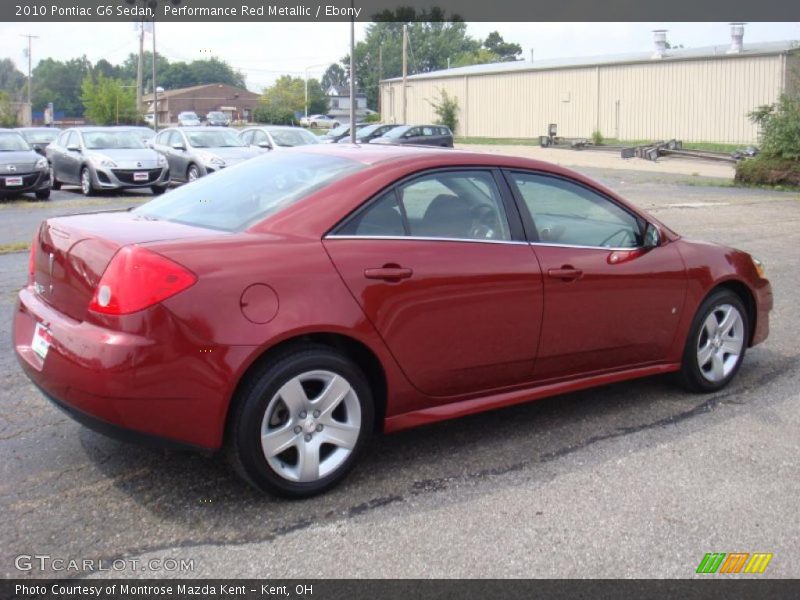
(368, 10)
(714, 588)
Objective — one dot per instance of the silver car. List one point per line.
(22, 170)
(188, 119)
(105, 158)
(274, 137)
(193, 152)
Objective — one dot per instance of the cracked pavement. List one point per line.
(638, 479)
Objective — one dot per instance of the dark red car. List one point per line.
(288, 307)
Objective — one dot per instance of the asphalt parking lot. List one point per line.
(631, 480)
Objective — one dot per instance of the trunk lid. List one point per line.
(72, 253)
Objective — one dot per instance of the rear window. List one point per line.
(237, 198)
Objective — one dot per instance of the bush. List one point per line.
(780, 127)
(597, 137)
(372, 118)
(770, 171)
(446, 108)
(273, 115)
(8, 117)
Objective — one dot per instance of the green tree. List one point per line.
(8, 116)
(60, 83)
(11, 80)
(334, 76)
(446, 109)
(505, 51)
(107, 102)
(780, 127)
(433, 38)
(289, 93)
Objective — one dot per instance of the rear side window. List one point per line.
(240, 196)
(459, 205)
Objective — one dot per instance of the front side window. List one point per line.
(570, 214)
(214, 138)
(460, 205)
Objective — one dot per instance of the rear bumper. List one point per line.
(123, 384)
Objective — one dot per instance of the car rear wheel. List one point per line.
(87, 187)
(300, 422)
(717, 343)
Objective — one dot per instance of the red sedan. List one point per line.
(288, 307)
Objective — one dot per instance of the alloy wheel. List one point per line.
(720, 342)
(311, 426)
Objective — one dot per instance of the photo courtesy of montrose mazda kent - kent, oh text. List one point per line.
(287, 308)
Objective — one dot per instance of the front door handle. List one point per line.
(388, 273)
(565, 273)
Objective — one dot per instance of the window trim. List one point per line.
(513, 219)
(531, 231)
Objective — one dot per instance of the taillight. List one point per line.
(32, 258)
(137, 278)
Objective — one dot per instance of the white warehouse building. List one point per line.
(692, 94)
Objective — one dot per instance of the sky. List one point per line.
(264, 51)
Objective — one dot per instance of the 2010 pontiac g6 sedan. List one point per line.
(290, 306)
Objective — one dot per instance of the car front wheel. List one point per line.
(87, 187)
(300, 422)
(717, 343)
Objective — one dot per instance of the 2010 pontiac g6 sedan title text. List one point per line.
(169, 10)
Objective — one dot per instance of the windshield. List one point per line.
(112, 140)
(187, 115)
(216, 115)
(340, 130)
(292, 137)
(40, 137)
(368, 130)
(216, 138)
(12, 142)
(143, 132)
(396, 132)
(236, 198)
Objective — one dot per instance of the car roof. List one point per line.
(201, 128)
(36, 129)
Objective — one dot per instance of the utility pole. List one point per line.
(352, 75)
(380, 76)
(405, 72)
(155, 87)
(30, 71)
(140, 69)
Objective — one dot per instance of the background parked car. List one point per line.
(188, 119)
(144, 133)
(322, 121)
(193, 152)
(105, 158)
(272, 137)
(426, 135)
(39, 137)
(217, 118)
(340, 133)
(22, 170)
(374, 130)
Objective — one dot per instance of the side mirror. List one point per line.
(178, 146)
(652, 236)
(38, 150)
(265, 145)
(73, 148)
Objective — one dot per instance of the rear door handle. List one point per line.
(388, 273)
(565, 273)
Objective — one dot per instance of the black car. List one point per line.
(22, 170)
(39, 137)
(217, 119)
(341, 133)
(376, 130)
(425, 135)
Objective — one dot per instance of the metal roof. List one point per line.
(674, 54)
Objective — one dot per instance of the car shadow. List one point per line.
(204, 502)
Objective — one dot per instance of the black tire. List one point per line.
(55, 184)
(189, 170)
(43, 194)
(691, 374)
(158, 189)
(256, 396)
(88, 190)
